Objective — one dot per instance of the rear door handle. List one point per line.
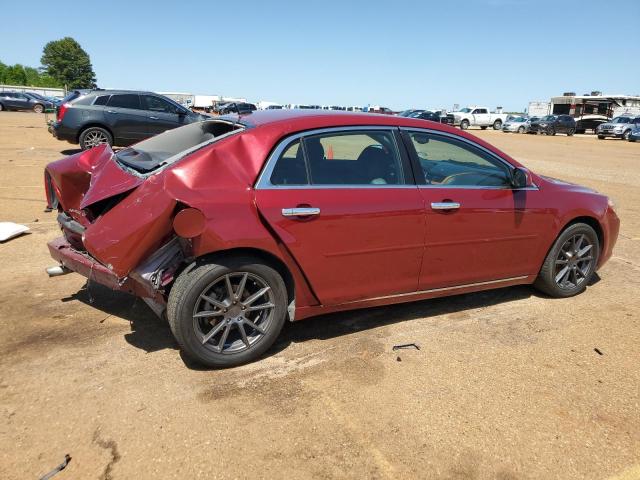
(153, 118)
(300, 212)
(111, 111)
(445, 205)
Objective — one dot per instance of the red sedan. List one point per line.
(234, 225)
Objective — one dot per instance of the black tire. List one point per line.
(38, 108)
(521, 130)
(626, 134)
(570, 132)
(483, 128)
(1, 107)
(600, 137)
(464, 124)
(547, 278)
(497, 125)
(94, 136)
(551, 131)
(186, 298)
(631, 139)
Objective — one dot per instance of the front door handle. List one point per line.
(445, 205)
(300, 212)
(153, 118)
(111, 111)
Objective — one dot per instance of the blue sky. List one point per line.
(398, 54)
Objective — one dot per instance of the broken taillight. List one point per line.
(62, 109)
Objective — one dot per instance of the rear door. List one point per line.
(162, 115)
(126, 118)
(344, 203)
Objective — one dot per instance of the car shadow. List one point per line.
(151, 334)
(70, 151)
(148, 332)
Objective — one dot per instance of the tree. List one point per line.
(66, 61)
(3, 70)
(15, 75)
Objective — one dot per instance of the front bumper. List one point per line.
(82, 263)
(611, 227)
(609, 133)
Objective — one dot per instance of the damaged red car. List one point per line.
(233, 226)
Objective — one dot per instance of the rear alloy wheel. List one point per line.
(551, 131)
(626, 134)
(38, 108)
(570, 132)
(571, 262)
(94, 136)
(521, 130)
(228, 313)
(464, 124)
(497, 125)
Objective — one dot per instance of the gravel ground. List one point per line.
(507, 384)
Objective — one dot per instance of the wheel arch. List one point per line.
(592, 222)
(94, 124)
(262, 255)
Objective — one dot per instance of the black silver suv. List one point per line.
(117, 117)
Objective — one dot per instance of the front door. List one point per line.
(478, 228)
(345, 205)
(161, 114)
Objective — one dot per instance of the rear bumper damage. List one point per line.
(148, 280)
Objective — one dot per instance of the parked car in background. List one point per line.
(117, 117)
(53, 100)
(634, 136)
(477, 117)
(411, 112)
(552, 124)
(516, 124)
(528, 123)
(24, 101)
(236, 107)
(223, 223)
(619, 127)
(435, 116)
(589, 122)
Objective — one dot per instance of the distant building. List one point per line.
(580, 106)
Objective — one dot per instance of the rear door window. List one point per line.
(353, 158)
(290, 168)
(125, 101)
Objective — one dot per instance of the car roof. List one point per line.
(305, 119)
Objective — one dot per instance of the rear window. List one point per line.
(172, 145)
(127, 100)
(102, 100)
(71, 96)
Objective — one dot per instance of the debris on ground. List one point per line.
(58, 469)
(10, 230)
(598, 351)
(406, 345)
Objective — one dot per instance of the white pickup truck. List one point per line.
(478, 117)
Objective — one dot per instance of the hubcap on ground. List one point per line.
(575, 262)
(234, 312)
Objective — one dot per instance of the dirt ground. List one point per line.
(507, 384)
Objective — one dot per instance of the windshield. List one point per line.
(621, 120)
(34, 95)
(465, 110)
(548, 118)
(151, 154)
(518, 119)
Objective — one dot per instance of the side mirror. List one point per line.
(519, 178)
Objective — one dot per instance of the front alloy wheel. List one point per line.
(227, 313)
(571, 262)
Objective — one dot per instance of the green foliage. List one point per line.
(66, 62)
(20, 75)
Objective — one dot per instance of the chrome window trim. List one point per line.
(475, 145)
(264, 179)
